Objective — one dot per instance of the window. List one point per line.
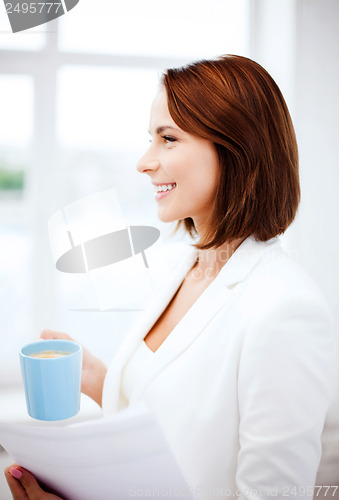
(74, 99)
(113, 102)
(16, 128)
(189, 29)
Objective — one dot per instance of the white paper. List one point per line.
(115, 457)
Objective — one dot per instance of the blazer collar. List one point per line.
(158, 301)
(244, 259)
(238, 267)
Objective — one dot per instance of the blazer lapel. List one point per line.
(184, 333)
(203, 310)
(155, 306)
(191, 325)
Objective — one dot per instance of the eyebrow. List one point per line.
(161, 129)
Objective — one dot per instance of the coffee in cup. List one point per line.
(49, 354)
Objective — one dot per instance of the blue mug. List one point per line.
(52, 384)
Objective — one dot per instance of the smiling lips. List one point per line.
(164, 187)
(161, 190)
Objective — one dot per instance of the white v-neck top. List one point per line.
(134, 368)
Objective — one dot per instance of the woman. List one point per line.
(234, 354)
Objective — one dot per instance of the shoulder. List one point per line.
(278, 283)
(283, 311)
(287, 322)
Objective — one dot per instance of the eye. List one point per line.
(168, 138)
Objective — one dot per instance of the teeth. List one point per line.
(164, 187)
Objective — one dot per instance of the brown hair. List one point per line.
(233, 102)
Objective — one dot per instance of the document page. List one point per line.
(117, 457)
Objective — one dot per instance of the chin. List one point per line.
(167, 217)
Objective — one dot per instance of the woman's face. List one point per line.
(184, 168)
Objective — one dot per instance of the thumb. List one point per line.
(52, 334)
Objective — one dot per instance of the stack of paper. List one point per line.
(118, 457)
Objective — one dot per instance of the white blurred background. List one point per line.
(74, 107)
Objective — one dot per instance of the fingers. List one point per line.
(18, 492)
(52, 334)
(29, 483)
(24, 486)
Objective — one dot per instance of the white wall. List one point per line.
(297, 41)
(316, 232)
(317, 108)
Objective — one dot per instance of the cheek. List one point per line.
(198, 168)
(206, 170)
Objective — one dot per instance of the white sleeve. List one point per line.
(285, 385)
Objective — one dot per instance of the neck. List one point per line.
(210, 261)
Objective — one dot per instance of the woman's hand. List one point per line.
(93, 369)
(24, 486)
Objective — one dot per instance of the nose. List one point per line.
(148, 163)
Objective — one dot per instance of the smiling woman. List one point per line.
(235, 352)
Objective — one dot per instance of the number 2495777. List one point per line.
(33, 7)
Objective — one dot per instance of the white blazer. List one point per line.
(241, 385)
